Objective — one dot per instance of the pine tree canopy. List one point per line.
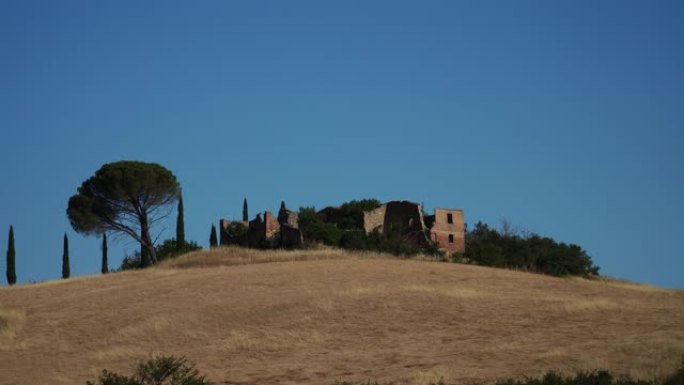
(126, 197)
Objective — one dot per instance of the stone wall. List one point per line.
(374, 220)
(406, 219)
(271, 226)
(398, 217)
(224, 224)
(288, 217)
(290, 235)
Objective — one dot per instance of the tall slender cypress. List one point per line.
(11, 268)
(180, 225)
(213, 241)
(66, 271)
(245, 211)
(105, 263)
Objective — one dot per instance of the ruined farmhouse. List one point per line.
(264, 231)
(446, 227)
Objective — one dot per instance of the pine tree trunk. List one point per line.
(146, 244)
(180, 225)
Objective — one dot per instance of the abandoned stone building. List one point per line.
(263, 232)
(446, 227)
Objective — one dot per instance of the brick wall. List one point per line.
(449, 236)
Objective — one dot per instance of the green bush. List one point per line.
(599, 377)
(456, 257)
(131, 262)
(354, 240)
(160, 370)
(677, 378)
(165, 250)
(169, 249)
(314, 229)
(237, 229)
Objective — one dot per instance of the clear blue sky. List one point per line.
(564, 117)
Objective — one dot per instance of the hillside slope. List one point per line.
(341, 317)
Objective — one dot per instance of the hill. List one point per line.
(321, 316)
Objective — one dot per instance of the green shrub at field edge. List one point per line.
(599, 377)
(160, 370)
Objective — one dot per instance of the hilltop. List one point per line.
(313, 317)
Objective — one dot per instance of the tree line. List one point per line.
(489, 247)
(129, 197)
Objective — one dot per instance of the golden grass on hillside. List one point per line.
(329, 315)
(11, 321)
(235, 256)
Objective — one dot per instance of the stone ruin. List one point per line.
(263, 232)
(446, 227)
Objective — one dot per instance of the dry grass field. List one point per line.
(314, 317)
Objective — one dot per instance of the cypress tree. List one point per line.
(11, 268)
(66, 271)
(245, 212)
(180, 225)
(213, 241)
(282, 206)
(105, 263)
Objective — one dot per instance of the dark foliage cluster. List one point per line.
(488, 247)
(166, 250)
(316, 230)
(126, 197)
(170, 370)
(156, 371)
(600, 377)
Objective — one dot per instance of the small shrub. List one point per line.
(354, 240)
(160, 370)
(600, 377)
(109, 378)
(456, 257)
(677, 378)
(170, 248)
(316, 230)
(131, 262)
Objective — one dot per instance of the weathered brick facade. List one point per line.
(446, 227)
(448, 230)
(265, 231)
